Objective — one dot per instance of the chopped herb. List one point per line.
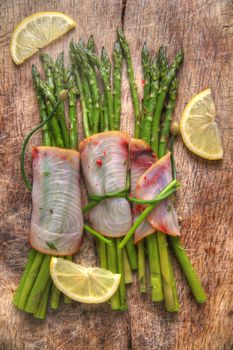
(51, 245)
(51, 211)
(47, 173)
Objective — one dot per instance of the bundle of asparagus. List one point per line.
(32, 294)
(160, 83)
(99, 89)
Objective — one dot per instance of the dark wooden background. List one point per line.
(204, 28)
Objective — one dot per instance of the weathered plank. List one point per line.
(79, 326)
(205, 30)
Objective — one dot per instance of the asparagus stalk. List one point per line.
(141, 267)
(132, 254)
(112, 266)
(42, 109)
(38, 286)
(29, 281)
(85, 83)
(145, 55)
(127, 269)
(117, 57)
(108, 254)
(120, 269)
(164, 134)
(104, 73)
(117, 70)
(163, 90)
(51, 101)
(169, 287)
(95, 93)
(72, 93)
(55, 297)
(133, 87)
(163, 63)
(31, 258)
(188, 270)
(80, 89)
(185, 264)
(58, 76)
(106, 62)
(152, 99)
(48, 66)
(155, 270)
(91, 44)
(41, 311)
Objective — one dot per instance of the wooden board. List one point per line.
(205, 30)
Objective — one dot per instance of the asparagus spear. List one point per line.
(112, 266)
(48, 66)
(31, 258)
(92, 80)
(38, 286)
(106, 62)
(175, 242)
(155, 269)
(133, 87)
(106, 83)
(152, 99)
(72, 93)
(45, 91)
(91, 44)
(80, 89)
(55, 297)
(163, 63)
(35, 259)
(59, 86)
(163, 90)
(117, 57)
(145, 55)
(42, 109)
(141, 267)
(164, 134)
(120, 269)
(41, 311)
(171, 301)
(29, 281)
(127, 269)
(188, 270)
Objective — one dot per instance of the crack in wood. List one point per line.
(124, 3)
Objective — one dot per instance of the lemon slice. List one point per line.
(36, 31)
(91, 285)
(198, 128)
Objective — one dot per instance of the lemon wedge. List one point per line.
(199, 129)
(91, 285)
(37, 31)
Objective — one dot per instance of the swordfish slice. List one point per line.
(141, 159)
(57, 220)
(104, 159)
(151, 183)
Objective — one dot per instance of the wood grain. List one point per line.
(205, 30)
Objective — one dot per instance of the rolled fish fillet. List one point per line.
(57, 220)
(104, 159)
(141, 159)
(163, 217)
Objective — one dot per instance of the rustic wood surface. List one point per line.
(204, 28)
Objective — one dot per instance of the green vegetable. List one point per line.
(133, 87)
